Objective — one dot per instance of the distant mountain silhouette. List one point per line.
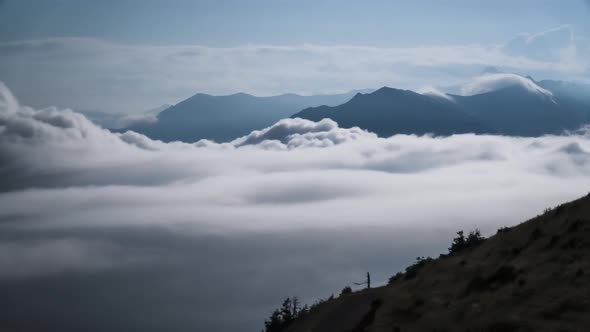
(513, 110)
(223, 118)
(389, 111)
(525, 108)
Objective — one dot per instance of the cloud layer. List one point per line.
(296, 162)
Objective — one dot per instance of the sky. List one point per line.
(110, 231)
(131, 56)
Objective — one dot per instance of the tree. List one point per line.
(289, 311)
(461, 242)
(274, 323)
(458, 243)
(474, 238)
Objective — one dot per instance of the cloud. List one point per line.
(296, 133)
(296, 162)
(545, 45)
(120, 78)
(299, 208)
(48, 257)
(493, 82)
(435, 92)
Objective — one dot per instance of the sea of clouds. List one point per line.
(298, 208)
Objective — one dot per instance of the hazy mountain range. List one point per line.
(224, 118)
(494, 103)
(521, 108)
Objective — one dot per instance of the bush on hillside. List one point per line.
(461, 242)
(346, 290)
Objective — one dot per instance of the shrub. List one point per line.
(395, 277)
(503, 230)
(346, 290)
(412, 270)
(461, 242)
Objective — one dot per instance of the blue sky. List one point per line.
(233, 22)
(127, 56)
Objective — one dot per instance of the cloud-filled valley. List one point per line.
(81, 202)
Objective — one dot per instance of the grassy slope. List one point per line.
(532, 277)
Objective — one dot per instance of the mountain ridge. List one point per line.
(224, 118)
(515, 109)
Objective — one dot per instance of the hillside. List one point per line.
(531, 277)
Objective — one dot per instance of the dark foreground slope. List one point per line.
(531, 277)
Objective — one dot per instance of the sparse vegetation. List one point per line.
(346, 290)
(461, 242)
(503, 275)
(503, 230)
(412, 270)
(285, 315)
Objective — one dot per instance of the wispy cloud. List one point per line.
(90, 74)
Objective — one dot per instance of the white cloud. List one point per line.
(435, 92)
(89, 74)
(297, 133)
(337, 176)
(492, 82)
(546, 45)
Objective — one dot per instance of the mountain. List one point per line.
(568, 90)
(518, 111)
(389, 111)
(531, 277)
(224, 118)
(504, 104)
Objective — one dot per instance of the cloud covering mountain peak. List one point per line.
(497, 81)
